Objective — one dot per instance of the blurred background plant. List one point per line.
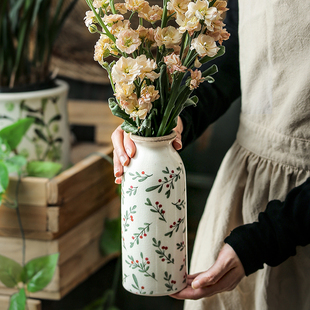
(28, 30)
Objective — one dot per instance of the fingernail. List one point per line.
(178, 142)
(122, 160)
(116, 173)
(128, 151)
(195, 284)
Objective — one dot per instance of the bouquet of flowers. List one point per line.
(156, 66)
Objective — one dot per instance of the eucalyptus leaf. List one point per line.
(43, 169)
(18, 300)
(39, 272)
(10, 271)
(14, 133)
(110, 240)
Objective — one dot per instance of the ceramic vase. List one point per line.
(49, 136)
(154, 223)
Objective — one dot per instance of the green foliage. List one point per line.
(39, 272)
(10, 271)
(18, 300)
(14, 133)
(111, 238)
(43, 169)
(23, 24)
(36, 274)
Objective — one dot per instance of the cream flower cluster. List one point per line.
(127, 73)
(180, 45)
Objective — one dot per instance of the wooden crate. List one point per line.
(32, 304)
(79, 253)
(49, 208)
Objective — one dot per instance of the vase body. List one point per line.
(154, 222)
(49, 136)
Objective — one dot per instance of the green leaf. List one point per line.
(43, 169)
(15, 163)
(41, 135)
(14, 133)
(110, 241)
(18, 300)
(55, 118)
(128, 127)
(39, 272)
(117, 111)
(10, 271)
(4, 177)
(210, 71)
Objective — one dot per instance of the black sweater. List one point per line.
(283, 225)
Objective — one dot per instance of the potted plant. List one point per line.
(28, 30)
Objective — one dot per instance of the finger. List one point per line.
(129, 146)
(226, 283)
(120, 156)
(226, 260)
(177, 143)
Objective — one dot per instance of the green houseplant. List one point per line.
(36, 273)
(28, 30)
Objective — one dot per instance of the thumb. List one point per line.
(214, 273)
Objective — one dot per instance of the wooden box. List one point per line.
(49, 208)
(79, 252)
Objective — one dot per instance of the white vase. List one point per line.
(154, 223)
(49, 136)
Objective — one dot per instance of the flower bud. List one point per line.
(92, 28)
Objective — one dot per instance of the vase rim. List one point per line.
(61, 87)
(169, 137)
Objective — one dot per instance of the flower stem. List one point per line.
(20, 221)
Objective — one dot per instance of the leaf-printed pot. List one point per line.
(49, 137)
(154, 225)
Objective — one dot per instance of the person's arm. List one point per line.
(216, 98)
(280, 228)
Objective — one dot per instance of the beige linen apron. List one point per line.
(271, 154)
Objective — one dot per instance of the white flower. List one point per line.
(113, 18)
(90, 18)
(168, 36)
(126, 70)
(173, 63)
(188, 24)
(103, 48)
(147, 68)
(178, 6)
(204, 45)
(128, 41)
(100, 3)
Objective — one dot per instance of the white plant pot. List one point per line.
(154, 224)
(49, 137)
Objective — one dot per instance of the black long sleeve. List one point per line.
(280, 229)
(216, 98)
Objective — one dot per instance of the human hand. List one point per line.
(224, 275)
(125, 149)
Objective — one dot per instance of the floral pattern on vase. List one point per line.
(154, 234)
(49, 136)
